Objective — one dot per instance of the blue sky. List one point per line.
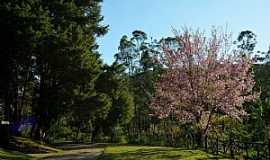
(157, 17)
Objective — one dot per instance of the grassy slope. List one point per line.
(12, 155)
(152, 153)
(113, 152)
(26, 145)
(31, 146)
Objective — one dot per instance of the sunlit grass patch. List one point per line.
(125, 152)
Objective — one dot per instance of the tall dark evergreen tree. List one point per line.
(49, 59)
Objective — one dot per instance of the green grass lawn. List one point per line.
(111, 152)
(127, 152)
(12, 155)
(26, 145)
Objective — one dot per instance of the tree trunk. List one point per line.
(4, 136)
(204, 133)
(94, 134)
(77, 134)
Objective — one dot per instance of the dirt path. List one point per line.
(76, 152)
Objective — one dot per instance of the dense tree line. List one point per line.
(51, 69)
(149, 129)
(52, 76)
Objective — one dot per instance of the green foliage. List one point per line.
(23, 25)
(75, 65)
(258, 121)
(246, 40)
(122, 105)
(60, 130)
(119, 136)
(137, 54)
(262, 78)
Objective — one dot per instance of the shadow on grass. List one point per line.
(77, 154)
(83, 156)
(72, 146)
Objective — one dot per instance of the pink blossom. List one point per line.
(203, 77)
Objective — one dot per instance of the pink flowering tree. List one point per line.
(202, 78)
